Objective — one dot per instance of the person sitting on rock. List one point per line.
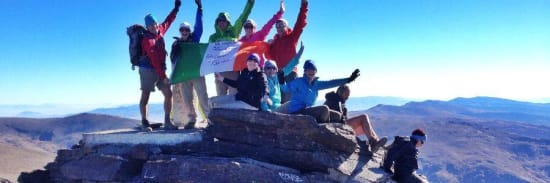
(251, 87)
(304, 92)
(275, 79)
(361, 124)
(403, 156)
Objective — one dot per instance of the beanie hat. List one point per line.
(185, 25)
(270, 63)
(150, 20)
(250, 21)
(309, 65)
(253, 57)
(419, 135)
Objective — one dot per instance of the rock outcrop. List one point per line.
(239, 146)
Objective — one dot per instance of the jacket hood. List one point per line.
(223, 15)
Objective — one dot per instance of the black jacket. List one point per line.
(251, 87)
(335, 102)
(403, 155)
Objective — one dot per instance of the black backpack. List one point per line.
(398, 144)
(135, 33)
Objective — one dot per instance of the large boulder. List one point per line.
(238, 146)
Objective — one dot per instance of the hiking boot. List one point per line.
(364, 148)
(376, 144)
(189, 125)
(168, 125)
(145, 123)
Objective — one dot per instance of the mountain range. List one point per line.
(479, 139)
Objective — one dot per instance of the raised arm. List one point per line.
(163, 27)
(197, 30)
(238, 27)
(294, 61)
(262, 34)
(300, 22)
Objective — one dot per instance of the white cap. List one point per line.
(250, 21)
(185, 25)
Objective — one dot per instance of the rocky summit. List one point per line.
(238, 146)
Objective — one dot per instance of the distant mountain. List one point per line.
(363, 103)
(478, 107)
(43, 110)
(28, 143)
(478, 139)
(156, 112)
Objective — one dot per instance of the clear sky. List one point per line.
(76, 52)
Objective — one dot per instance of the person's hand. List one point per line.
(281, 77)
(177, 3)
(268, 100)
(218, 77)
(301, 46)
(354, 75)
(304, 1)
(199, 3)
(250, 1)
(282, 6)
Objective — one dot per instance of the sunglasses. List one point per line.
(270, 68)
(185, 30)
(221, 20)
(422, 142)
(248, 26)
(281, 25)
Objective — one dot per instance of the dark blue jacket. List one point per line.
(403, 155)
(251, 87)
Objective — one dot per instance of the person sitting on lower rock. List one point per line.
(361, 124)
(403, 156)
(251, 88)
(304, 92)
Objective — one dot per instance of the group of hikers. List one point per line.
(268, 83)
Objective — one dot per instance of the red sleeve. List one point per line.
(300, 24)
(147, 46)
(163, 27)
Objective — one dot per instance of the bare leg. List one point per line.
(361, 125)
(167, 102)
(143, 104)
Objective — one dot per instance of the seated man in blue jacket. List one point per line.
(304, 92)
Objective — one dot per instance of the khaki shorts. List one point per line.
(149, 78)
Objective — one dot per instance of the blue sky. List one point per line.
(76, 52)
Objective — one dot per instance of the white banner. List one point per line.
(219, 57)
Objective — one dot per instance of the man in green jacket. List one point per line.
(227, 32)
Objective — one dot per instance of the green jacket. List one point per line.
(232, 32)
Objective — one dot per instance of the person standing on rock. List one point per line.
(251, 87)
(304, 92)
(361, 124)
(152, 69)
(251, 35)
(227, 32)
(184, 92)
(403, 156)
(282, 48)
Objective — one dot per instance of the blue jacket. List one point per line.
(303, 94)
(273, 82)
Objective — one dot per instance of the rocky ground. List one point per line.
(239, 146)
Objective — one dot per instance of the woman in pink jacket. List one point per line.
(252, 35)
